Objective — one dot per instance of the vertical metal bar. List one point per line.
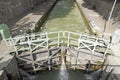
(110, 15)
(58, 39)
(47, 40)
(68, 39)
(70, 56)
(79, 41)
(95, 44)
(76, 59)
(94, 47)
(112, 10)
(49, 61)
(106, 50)
(15, 47)
(29, 43)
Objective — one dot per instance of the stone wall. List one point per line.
(104, 7)
(3, 75)
(12, 69)
(9, 68)
(9, 9)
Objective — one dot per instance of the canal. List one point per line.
(65, 16)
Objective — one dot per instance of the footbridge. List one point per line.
(38, 51)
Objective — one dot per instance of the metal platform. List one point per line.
(43, 50)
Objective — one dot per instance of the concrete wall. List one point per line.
(104, 7)
(9, 68)
(10, 9)
(12, 69)
(3, 75)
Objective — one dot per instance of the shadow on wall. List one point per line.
(103, 7)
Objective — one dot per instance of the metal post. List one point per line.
(76, 60)
(47, 40)
(68, 39)
(110, 15)
(29, 43)
(14, 46)
(95, 44)
(108, 46)
(58, 39)
(49, 61)
(79, 41)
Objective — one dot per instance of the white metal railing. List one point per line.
(45, 40)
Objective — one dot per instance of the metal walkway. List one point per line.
(37, 49)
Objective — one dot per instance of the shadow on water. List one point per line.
(78, 75)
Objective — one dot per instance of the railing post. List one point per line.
(14, 46)
(68, 39)
(29, 43)
(49, 61)
(76, 59)
(94, 47)
(47, 41)
(108, 46)
(58, 39)
(79, 41)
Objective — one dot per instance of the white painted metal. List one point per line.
(112, 10)
(110, 15)
(45, 41)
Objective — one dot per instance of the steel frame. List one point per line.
(30, 44)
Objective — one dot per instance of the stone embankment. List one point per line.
(103, 8)
(11, 9)
(22, 16)
(98, 16)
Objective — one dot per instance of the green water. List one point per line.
(65, 16)
(54, 75)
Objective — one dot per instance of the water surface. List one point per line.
(54, 75)
(65, 17)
